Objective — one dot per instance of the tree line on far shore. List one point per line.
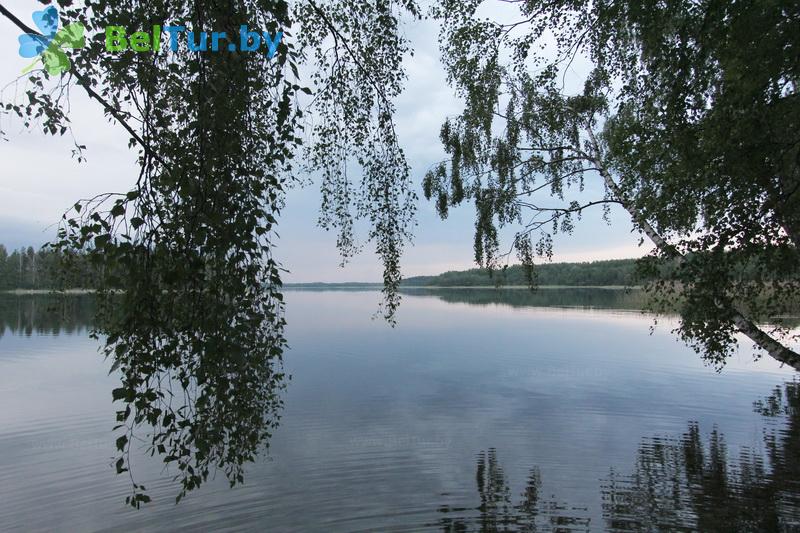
(45, 269)
(617, 272)
(48, 269)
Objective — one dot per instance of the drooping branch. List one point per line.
(775, 349)
(565, 210)
(84, 82)
(339, 38)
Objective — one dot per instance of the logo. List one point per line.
(118, 40)
(48, 46)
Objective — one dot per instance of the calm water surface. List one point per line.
(482, 410)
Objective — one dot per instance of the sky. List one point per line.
(39, 178)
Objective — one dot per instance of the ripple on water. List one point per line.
(463, 418)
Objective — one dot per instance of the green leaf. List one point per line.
(102, 240)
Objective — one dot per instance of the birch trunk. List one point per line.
(763, 340)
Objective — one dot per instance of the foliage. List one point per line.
(619, 272)
(357, 54)
(190, 301)
(43, 269)
(197, 331)
(26, 269)
(688, 119)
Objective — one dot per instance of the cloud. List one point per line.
(39, 179)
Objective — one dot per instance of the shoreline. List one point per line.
(366, 287)
(312, 286)
(33, 292)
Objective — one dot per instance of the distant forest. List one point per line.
(620, 272)
(43, 269)
(47, 269)
(31, 269)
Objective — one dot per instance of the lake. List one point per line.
(482, 410)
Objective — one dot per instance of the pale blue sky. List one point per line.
(39, 179)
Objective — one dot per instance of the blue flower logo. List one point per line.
(47, 46)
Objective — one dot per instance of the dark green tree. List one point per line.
(688, 119)
(5, 274)
(191, 310)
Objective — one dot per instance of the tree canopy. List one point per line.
(688, 118)
(191, 309)
(618, 272)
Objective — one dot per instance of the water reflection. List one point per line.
(202, 395)
(52, 314)
(499, 511)
(633, 299)
(588, 298)
(45, 314)
(200, 380)
(689, 484)
(685, 483)
(391, 428)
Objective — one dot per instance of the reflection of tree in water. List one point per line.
(587, 298)
(685, 484)
(202, 393)
(201, 377)
(45, 314)
(583, 298)
(677, 484)
(497, 511)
